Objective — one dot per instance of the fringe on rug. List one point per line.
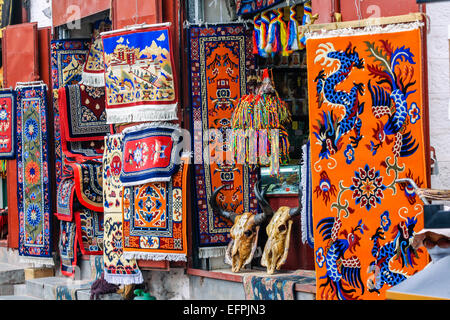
(142, 113)
(37, 261)
(368, 30)
(211, 252)
(124, 279)
(93, 79)
(155, 256)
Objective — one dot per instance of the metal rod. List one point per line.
(414, 185)
(137, 26)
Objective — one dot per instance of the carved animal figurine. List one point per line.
(279, 234)
(244, 232)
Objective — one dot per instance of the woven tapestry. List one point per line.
(366, 131)
(89, 184)
(154, 219)
(220, 57)
(151, 153)
(7, 124)
(275, 287)
(83, 115)
(67, 60)
(112, 164)
(253, 6)
(94, 67)
(35, 236)
(89, 231)
(117, 269)
(68, 248)
(65, 199)
(139, 75)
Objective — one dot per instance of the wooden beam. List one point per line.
(411, 17)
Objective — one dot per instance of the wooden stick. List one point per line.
(411, 17)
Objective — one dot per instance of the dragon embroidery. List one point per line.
(349, 101)
(343, 271)
(392, 102)
(399, 249)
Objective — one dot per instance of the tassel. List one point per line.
(277, 37)
(292, 44)
(307, 19)
(264, 31)
(256, 34)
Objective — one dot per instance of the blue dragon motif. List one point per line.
(343, 273)
(349, 101)
(399, 248)
(392, 102)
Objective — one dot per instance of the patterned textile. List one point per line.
(154, 219)
(276, 287)
(35, 236)
(7, 124)
(83, 115)
(68, 248)
(67, 59)
(306, 220)
(366, 131)
(253, 6)
(112, 164)
(220, 59)
(140, 82)
(118, 270)
(151, 153)
(89, 184)
(90, 231)
(65, 199)
(94, 67)
(5, 13)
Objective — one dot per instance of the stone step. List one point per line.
(11, 274)
(51, 288)
(20, 289)
(16, 297)
(86, 295)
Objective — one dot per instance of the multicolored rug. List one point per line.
(94, 67)
(139, 73)
(33, 188)
(90, 231)
(65, 199)
(88, 179)
(83, 115)
(220, 57)
(68, 248)
(7, 124)
(67, 60)
(275, 287)
(366, 131)
(118, 270)
(151, 153)
(154, 219)
(253, 6)
(112, 165)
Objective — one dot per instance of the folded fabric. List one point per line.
(139, 75)
(7, 124)
(276, 287)
(89, 231)
(154, 219)
(151, 153)
(68, 248)
(94, 67)
(83, 115)
(64, 199)
(112, 164)
(117, 269)
(89, 184)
